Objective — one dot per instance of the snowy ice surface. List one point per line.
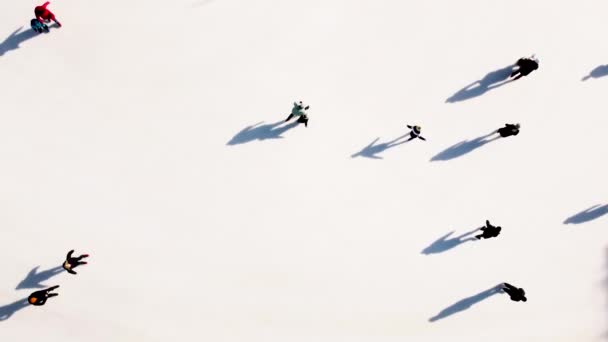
(145, 133)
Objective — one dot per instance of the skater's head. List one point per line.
(417, 129)
(517, 125)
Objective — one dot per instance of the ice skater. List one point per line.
(516, 294)
(44, 15)
(415, 133)
(38, 298)
(525, 66)
(301, 111)
(71, 263)
(508, 130)
(489, 231)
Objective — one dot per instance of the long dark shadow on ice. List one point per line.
(445, 243)
(463, 147)
(372, 150)
(587, 215)
(492, 80)
(599, 71)
(34, 279)
(261, 132)
(465, 303)
(7, 311)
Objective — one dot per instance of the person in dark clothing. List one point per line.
(508, 130)
(71, 263)
(38, 298)
(301, 111)
(516, 294)
(489, 231)
(415, 133)
(525, 66)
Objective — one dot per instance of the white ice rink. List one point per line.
(146, 134)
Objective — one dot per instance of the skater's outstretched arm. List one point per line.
(421, 137)
(51, 288)
(45, 4)
(508, 287)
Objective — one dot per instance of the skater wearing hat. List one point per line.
(44, 15)
(71, 263)
(525, 66)
(415, 133)
(516, 294)
(508, 130)
(301, 111)
(489, 231)
(38, 298)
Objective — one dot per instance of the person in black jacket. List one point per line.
(415, 133)
(489, 231)
(516, 294)
(525, 66)
(508, 130)
(71, 263)
(38, 298)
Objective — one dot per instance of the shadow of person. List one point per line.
(371, 150)
(33, 279)
(12, 42)
(598, 72)
(463, 148)
(588, 215)
(443, 243)
(490, 81)
(261, 132)
(8, 310)
(466, 303)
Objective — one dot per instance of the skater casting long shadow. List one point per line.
(371, 150)
(8, 310)
(261, 132)
(466, 303)
(492, 80)
(33, 279)
(463, 148)
(598, 72)
(590, 214)
(444, 244)
(12, 42)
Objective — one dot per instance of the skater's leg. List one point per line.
(289, 117)
(52, 295)
(51, 288)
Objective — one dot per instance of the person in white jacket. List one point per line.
(301, 111)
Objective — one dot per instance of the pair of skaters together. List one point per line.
(300, 110)
(39, 298)
(43, 17)
(506, 131)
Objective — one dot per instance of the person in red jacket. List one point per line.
(43, 14)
